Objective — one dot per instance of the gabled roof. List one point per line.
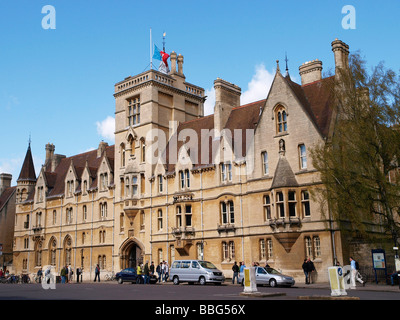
(243, 117)
(284, 176)
(6, 195)
(28, 170)
(56, 179)
(316, 98)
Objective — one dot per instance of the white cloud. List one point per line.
(257, 89)
(106, 128)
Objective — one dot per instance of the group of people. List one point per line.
(239, 269)
(308, 269)
(163, 271)
(4, 273)
(146, 272)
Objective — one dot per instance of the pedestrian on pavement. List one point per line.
(355, 274)
(152, 268)
(39, 275)
(146, 272)
(158, 270)
(242, 267)
(97, 273)
(166, 269)
(70, 274)
(311, 269)
(63, 274)
(163, 271)
(305, 270)
(78, 274)
(235, 270)
(139, 273)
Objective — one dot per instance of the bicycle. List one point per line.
(110, 277)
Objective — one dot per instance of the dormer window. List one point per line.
(70, 188)
(103, 181)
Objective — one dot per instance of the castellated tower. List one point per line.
(150, 100)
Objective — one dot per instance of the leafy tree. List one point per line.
(359, 164)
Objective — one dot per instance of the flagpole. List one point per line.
(151, 55)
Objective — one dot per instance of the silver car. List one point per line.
(195, 271)
(269, 276)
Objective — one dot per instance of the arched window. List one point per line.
(281, 119)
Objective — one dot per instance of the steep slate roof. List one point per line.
(316, 99)
(284, 176)
(56, 179)
(6, 195)
(28, 170)
(243, 117)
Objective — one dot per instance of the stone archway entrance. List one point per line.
(131, 254)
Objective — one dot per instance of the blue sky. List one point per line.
(57, 85)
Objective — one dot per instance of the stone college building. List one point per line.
(232, 186)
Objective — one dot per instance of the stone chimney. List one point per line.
(227, 97)
(101, 148)
(180, 65)
(341, 52)
(173, 57)
(310, 71)
(50, 148)
(5, 181)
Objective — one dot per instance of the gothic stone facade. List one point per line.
(249, 201)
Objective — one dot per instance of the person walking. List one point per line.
(70, 274)
(152, 268)
(146, 272)
(97, 273)
(242, 267)
(163, 271)
(166, 271)
(158, 270)
(355, 274)
(39, 275)
(78, 274)
(139, 273)
(305, 270)
(235, 270)
(63, 274)
(311, 269)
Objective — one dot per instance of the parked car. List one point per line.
(192, 271)
(130, 275)
(270, 276)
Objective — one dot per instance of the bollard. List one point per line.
(336, 281)
(250, 284)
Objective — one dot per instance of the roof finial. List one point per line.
(277, 66)
(29, 141)
(287, 68)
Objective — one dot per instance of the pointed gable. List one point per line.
(284, 176)
(28, 170)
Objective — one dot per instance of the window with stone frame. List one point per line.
(281, 119)
(160, 219)
(267, 207)
(264, 159)
(227, 212)
(305, 203)
(133, 111)
(270, 250)
(178, 216)
(303, 156)
(292, 203)
(280, 204)
(226, 172)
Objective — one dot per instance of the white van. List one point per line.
(192, 271)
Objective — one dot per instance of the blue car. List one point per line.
(130, 275)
